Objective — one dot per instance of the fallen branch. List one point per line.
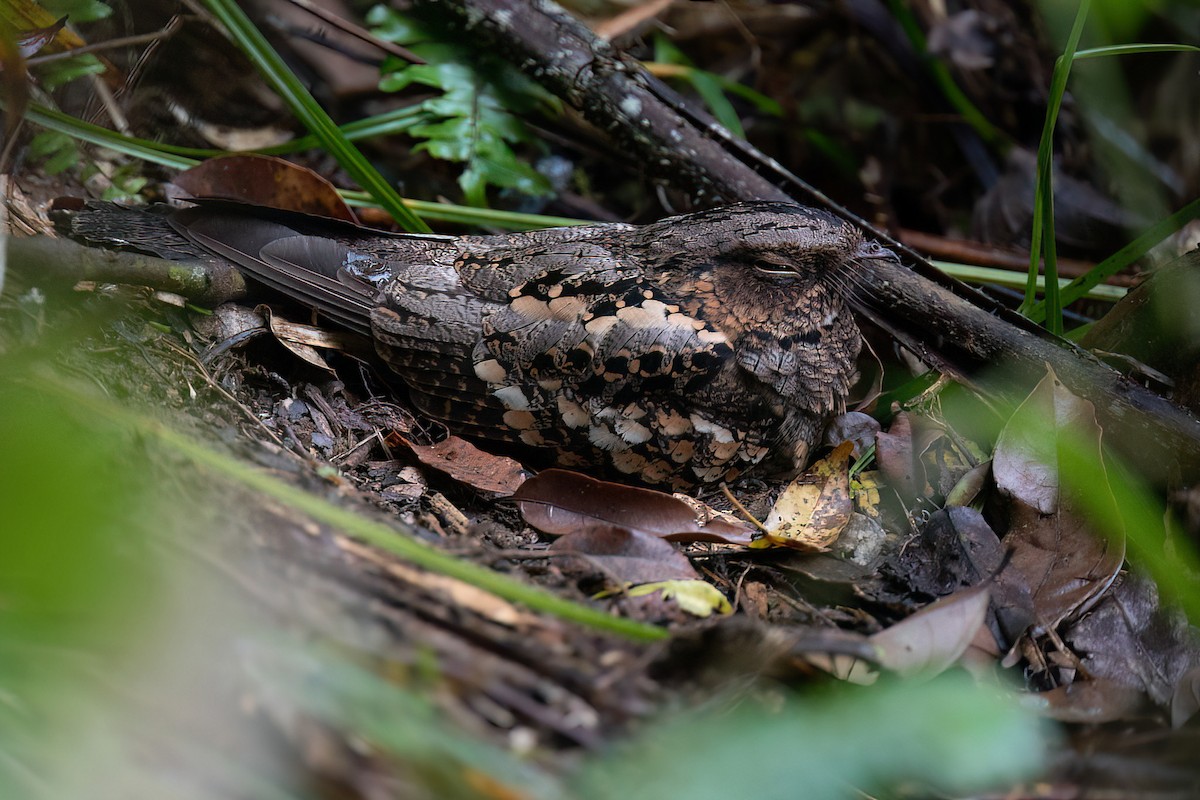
(65, 261)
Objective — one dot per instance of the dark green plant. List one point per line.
(473, 121)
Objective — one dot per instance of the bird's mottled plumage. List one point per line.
(677, 353)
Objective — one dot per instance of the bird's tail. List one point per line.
(303, 257)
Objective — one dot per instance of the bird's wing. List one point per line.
(599, 356)
(307, 268)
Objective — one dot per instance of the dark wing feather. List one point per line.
(303, 267)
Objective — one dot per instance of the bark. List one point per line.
(211, 282)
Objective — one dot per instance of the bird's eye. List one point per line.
(771, 268)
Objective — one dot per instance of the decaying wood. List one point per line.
(210, 281)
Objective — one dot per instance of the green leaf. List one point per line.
(392, 26)
(78, 10)
(54, 74)
(706, 84)
(58, 151)
(472, 120)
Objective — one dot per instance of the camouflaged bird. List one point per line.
(677, 353)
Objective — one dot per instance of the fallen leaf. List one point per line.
(1063, 562)
(1054, 550)
(1129, 637)
(956, 548)
(866, 492)
(1025, 465)
(265, 181)
(853, 426)
(815, 508)
(627, 557)
(31, 41)
(289, 335)
(931, 640)
(894, 454)
(557, 501)
(698, 598)
(464, 462)
(1091, 701)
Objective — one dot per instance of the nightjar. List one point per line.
(679, 353)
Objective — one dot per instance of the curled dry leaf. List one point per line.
(498, 476)
(815, 508)
(292, 336)
(894, 453)
(31, 41)
(558, 501)
(303, 340)
(627, 557)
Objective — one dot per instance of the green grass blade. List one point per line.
(1121, 259)
(1006, 277)
(310, 113)
(471, 215)
(1042, 241)
(170, 155)
(154, 152)
(1134, 49)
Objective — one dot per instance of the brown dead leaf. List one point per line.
(1130, 637)
(27, 15)
(292, 337)
(815, 508)
(931, 640)
(1025, 464)
(626, 556)
(1092, 701)
(464, 462)
(853, 426)
(265, 181)
(894, 452)
(1066, 566)
(1054, 550)
(30, 42)
(557, 501)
